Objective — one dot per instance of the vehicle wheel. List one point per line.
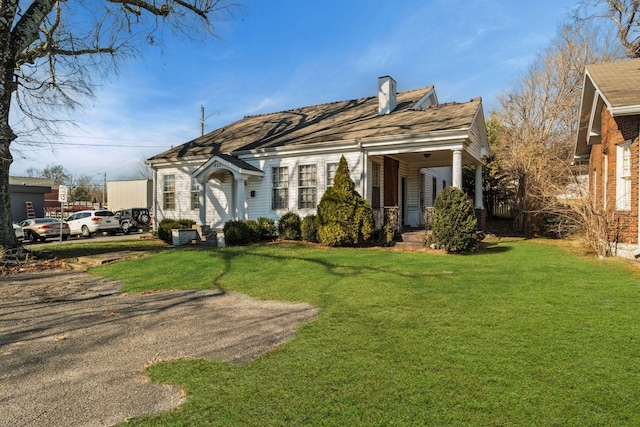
(144, 219)
(85, 231)
(126, 227)
(33, 237)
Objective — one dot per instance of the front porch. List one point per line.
(404, 186)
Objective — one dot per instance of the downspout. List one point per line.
(363, 175)
(637, 251)
(155, 199)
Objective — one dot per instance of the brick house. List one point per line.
(402, 150)
(608, 136)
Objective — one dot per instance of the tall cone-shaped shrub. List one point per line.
(454, 222)
(344, 217)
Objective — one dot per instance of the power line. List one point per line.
(80, 144)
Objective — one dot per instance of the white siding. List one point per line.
(260, 204)
(219, 199)
(220, 191)
(441, 175)
(182, 209)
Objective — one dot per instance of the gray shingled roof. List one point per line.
(337, 121)
(618, 81)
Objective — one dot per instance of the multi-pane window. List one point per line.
(623, 169)
(306, 186)
(280, 188)
(376, 180)
(169, 192)
(195, 194)
(331, 173)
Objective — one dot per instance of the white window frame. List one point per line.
(307, 186)
(279, 187)
(195, 194)
(332, 167)
(623, 176)
(169, 192)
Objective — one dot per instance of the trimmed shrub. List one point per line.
(309, 229)
(236, 233)
(344, 217)
(289, 226)
(253, 229)
(454, 222)
(268, 229)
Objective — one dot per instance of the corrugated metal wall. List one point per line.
(135, 193)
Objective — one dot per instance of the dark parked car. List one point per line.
(133, 219)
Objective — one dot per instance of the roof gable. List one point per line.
(614, 85)
(356, 119)
(618, 83)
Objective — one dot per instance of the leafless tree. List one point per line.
(624, 14)
(538, 118)
(52, 52)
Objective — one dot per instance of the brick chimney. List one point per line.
(386, 95)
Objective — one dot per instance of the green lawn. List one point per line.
(522, 333)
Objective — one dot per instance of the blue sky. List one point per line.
(279, 55)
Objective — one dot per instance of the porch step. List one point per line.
(411, 240)
(208, 236)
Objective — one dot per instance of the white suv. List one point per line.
(87, 223)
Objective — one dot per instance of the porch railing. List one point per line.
(427, 214)
(387, 215)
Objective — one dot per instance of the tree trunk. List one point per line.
(8, 238)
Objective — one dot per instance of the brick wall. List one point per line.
(615, 131)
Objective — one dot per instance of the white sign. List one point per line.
(62, 193)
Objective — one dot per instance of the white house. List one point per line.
(402, 149)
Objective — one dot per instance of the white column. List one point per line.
(479, 197)
(240, 198)
(457, 169)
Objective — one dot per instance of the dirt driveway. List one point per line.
(73, 348)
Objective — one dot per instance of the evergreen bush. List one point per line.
(309, 229)
(454, 222)
(268, 229)
(344, 217)
(289, 226)
(253, 228)
(236, 233)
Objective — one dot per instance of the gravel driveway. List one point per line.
(73, 348)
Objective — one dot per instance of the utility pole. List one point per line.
(203, 118)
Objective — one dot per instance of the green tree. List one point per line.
(454, 222)
(344, 217)
(51, 52)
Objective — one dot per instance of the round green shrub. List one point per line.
(253, 229)
(236, 233)
(344, 217)
(454, 222)
(289, 226)
(309, 229)
(268, 229)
